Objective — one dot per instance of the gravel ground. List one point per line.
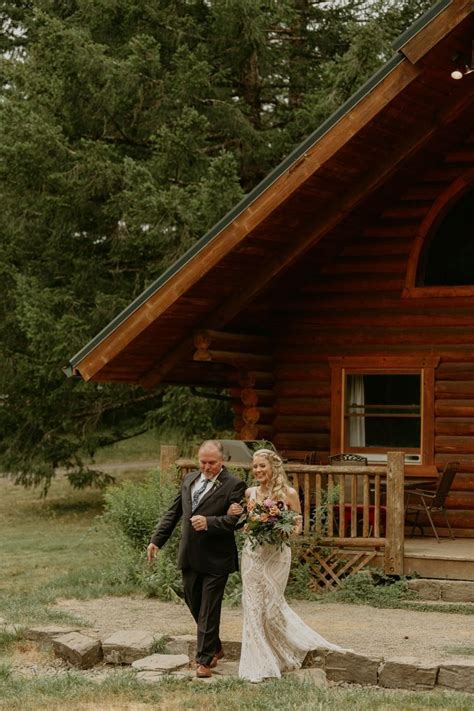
(427, 636)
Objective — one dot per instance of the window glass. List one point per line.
(383, 410)
(449, 255)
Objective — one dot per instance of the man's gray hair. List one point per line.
(213, 443)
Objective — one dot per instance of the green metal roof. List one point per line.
(292, 158)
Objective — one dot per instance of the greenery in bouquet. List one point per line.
(268, 522)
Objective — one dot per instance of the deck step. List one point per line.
(443, 590)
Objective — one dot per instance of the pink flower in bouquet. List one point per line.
(268, 503)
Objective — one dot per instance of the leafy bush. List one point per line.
(132, 512)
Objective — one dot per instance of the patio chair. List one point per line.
(348, 458)
(428, 502)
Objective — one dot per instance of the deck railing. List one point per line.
(352, 506)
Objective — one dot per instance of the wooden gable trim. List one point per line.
(438, 210)
(416, 47)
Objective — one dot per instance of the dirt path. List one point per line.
(427, 636)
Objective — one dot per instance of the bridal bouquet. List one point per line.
(268, 522)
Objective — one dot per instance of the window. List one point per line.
(448, 258)
(383, 404)
(441, 261)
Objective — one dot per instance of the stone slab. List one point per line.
(457, 590)
(125, 646)
(46, 633)
(458, 677)
(226, 669)
(78, 649)
(315, 658)
(351, 667)
(426, 589)
(161, 662)
(317, 677)
(407, 673)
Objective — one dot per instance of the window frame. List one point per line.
(390, 365)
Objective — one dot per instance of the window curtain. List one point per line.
(356, 400)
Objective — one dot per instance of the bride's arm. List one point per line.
(293, 501)
(236, 509)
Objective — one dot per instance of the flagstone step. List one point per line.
(447, 590)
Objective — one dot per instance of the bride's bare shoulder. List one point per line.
(249, 492)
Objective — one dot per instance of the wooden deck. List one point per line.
(449, 559)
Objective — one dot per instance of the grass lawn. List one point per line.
(56, 547)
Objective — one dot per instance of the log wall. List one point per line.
(356, 305)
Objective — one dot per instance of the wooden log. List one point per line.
(263, 395)
(265, 412)
(248, 432)
(454, 408)
(394, 548)
(298, 372)
(455, 371)
(454, 425)
(302, 440)
(296, 423)
(454, 389)
(303, 406)
(318, 389)
(461, 445)
(241, 361)
(251, 415)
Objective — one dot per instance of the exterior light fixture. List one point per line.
(462, 67)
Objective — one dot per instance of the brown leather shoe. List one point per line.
(203, 672)
(218, 655)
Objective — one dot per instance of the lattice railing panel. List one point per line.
(330, 566)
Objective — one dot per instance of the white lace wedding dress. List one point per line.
(274, 638)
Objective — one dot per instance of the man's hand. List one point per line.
(199, 523)
(151, 551)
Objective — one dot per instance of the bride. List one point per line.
(274, 638)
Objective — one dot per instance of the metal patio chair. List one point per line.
(428, 502)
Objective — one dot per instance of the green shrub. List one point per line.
(135, 508)
(132, 512)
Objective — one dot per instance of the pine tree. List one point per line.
(128, 128)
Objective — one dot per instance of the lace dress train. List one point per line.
(274, 638)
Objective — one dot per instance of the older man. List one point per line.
(207, 552)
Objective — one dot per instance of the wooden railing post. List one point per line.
(395, 533)
(169, 453)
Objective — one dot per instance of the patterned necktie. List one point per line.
(197, 494)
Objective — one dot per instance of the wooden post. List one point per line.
(395, 533)
(169, 453)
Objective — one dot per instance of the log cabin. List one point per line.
(335, 302)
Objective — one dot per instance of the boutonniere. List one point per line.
(216, 484)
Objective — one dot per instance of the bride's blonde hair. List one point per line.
(278, 483)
